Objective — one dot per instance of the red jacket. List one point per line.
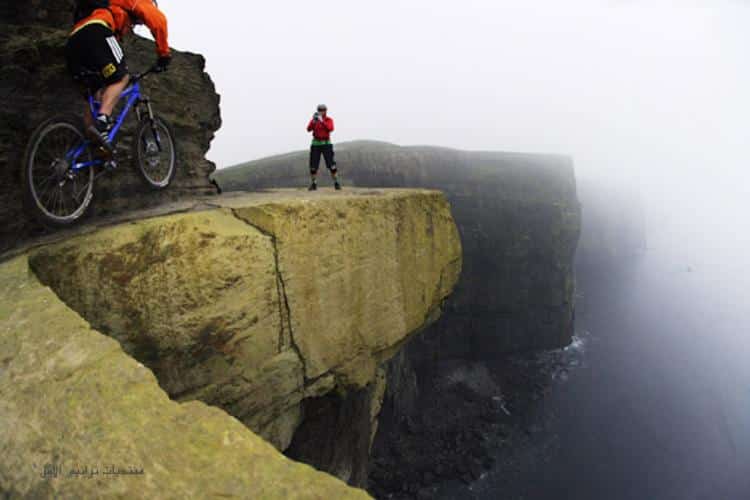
(321, 129)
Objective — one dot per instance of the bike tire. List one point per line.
(33, 199)
(145, 158)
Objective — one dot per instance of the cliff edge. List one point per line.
(519, 219)
(262, 306)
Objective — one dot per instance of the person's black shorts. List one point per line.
(325, 150)
(95, 58)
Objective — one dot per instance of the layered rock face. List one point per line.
(34, 85)
(519, 219)
(279, 308)
(80, 418)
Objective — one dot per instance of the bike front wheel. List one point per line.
(57, 194)
(156, 153)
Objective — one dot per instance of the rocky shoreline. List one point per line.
(467, 414)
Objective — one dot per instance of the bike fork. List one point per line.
(152, 121)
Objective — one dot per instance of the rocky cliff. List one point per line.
(519, 219)
(278, 309)
(82, 419)
(34, 85)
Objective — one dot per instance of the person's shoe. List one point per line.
(313, 187)
(99, 132)
(102, 154)
(337, 186)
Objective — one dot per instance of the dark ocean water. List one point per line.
(655, 402)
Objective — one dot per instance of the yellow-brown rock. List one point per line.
(252, 306)
(79, 418)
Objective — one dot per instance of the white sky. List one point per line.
(646, 93)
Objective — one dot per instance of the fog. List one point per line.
(646, 96)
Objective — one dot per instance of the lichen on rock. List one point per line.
(79, 418)
(265, 301)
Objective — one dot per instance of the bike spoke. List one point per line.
(76, 194)
(55, 186)
(59, 198)
(63, 205)
(56, 145)
(52, 200)
(45, 158)
(47, 180)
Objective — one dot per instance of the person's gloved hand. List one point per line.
(162, 64)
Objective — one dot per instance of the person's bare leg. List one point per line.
(111, 95)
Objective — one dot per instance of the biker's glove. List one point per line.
(162, 64)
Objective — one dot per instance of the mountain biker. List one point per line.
(95, 57)
(321, 127)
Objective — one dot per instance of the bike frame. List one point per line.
(133, 95)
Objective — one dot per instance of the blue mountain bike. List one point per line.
(61, 163)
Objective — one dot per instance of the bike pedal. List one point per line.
(110, 165)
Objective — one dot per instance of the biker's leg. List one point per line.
(94, 53)
(111, 94)
(88, 119)
(102, 124)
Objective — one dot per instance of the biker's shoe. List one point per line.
(99, 132)
(103, 154)
(313, 187)
(337, 186)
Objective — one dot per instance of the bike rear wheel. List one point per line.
(156, 153)
(56, 194)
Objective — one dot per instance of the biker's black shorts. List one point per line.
(95, 58)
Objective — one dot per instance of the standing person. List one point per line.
(321, 127)
(93, 50)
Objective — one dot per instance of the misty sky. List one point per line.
(645, 93)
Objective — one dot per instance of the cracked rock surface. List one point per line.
(74, 407)
(259, 302)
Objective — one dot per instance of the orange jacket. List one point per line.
(120, 15)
